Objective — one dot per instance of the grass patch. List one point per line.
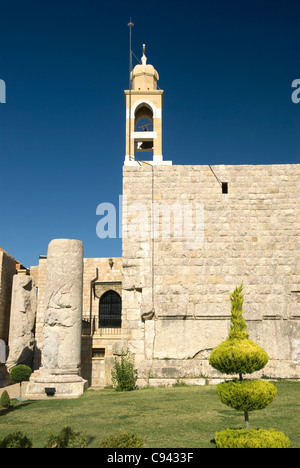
(179, 417)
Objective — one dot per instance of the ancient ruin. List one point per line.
(61, 349)
(191, 234)
(22, 320)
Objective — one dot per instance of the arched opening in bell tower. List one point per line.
(143, 127)
(143, 112)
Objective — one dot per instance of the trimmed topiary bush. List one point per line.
(5, 400)
(246, 395)
(122, 440)
(20, 373)
(240, 355)
(254, 438)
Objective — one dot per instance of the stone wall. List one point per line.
(176, 286)
(106, 274)
(103, 277)
(7, 271)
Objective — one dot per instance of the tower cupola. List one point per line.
(144, 77)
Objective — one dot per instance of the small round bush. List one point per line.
(122, 440)
(235, 356)
(20, 373)
(16, 440)
(254, 438)
(246, 395)
(5, 400)
(67, 438)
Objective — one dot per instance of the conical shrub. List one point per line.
(240, 355)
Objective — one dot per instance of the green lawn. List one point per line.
(179, 417)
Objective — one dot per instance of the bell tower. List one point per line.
(144, 104)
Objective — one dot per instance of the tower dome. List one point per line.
(144, 77)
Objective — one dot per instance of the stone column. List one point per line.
(3, 371)
(22, 319)
(61, 347)
(2, 352)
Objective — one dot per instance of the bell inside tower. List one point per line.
(144, 129)
(144, 103)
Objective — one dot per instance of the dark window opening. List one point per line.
(98, 353)
(110, 310)
(224, 187)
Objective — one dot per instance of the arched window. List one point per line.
(110, 310)
(143, 112)
(143, 124)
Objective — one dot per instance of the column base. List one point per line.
(45, 385)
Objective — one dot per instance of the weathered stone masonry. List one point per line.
(251, 234)
(187, 243)
(8, 267)
(98, 277)
(61, 353)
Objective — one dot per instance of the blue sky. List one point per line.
(226, 68)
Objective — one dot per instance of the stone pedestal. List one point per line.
(61, 347)
(64, 385)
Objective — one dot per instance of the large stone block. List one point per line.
(186, 339)
(22, 320)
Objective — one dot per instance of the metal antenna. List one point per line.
(130, 24)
